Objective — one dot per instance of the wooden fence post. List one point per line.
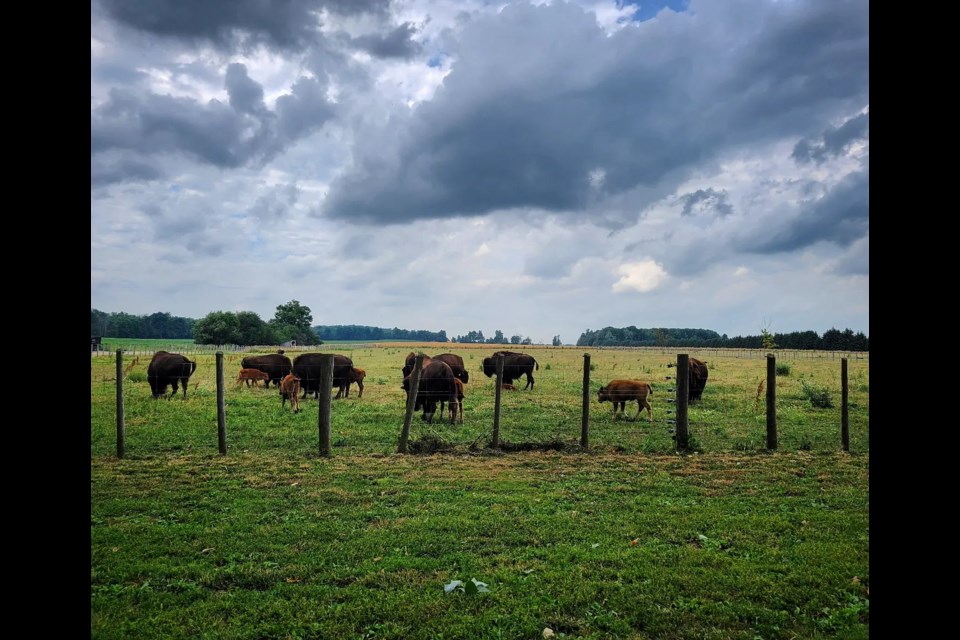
(771, 401)
(221, 409)
(844, 416)
(495, 443)
(121, 440)
(683, 400)
(585, 418)
(326, 402)
(411, 403)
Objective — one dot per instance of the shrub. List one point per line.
(783, 369)
(819, 396)
(137, 376)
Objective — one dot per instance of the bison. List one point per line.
(306, 366)
(437, 383)
(354, 375)
(454, 361)
(514, 366)
(275, 365)
(620, 391)
(698, 378)
(290, 388)
(456, 364)
(167, 368)
(247, 375)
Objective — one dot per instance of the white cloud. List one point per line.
(639, 276)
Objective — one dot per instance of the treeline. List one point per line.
(476, 337)
(832, 340)
(362, 332)
(125, 325)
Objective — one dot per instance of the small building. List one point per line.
(289, 343)
(95, 343)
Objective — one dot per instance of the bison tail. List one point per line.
(649, 388)
(536, 364)
(193, 366)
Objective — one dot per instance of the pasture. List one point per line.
(628, 540)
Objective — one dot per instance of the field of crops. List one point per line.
(628, 540)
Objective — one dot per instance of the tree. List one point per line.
(217, 327)
(497, 338)
(514, 339)
(526, 341)
(253, 330)
(292, 322)
(556, 341)
(294, 314)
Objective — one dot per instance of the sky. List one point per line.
(541, 168)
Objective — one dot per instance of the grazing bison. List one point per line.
(306, 366)
(290, 388)
(620, 391)
(275, 365)
(248, 375)
(454, 361)
(514, 366)
(411, 360)
(456, 364)
(437, 383)
(167, 368)
(698, 378)
(354, 375)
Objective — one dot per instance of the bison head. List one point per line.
(603, 395)
(489, 367)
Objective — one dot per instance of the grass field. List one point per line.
(629, 540)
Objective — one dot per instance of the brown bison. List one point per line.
(275, 365)
(620, 391)
(354, 375)
(514, 366)
(454, 361)
(290, 388)
(437, 383)
(167, 368)
(306, 366)
(248, 375)
(698, 378)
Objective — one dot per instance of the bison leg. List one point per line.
(529, 382)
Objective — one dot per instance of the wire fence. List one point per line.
(731, 416)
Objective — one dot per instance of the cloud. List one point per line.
(833, 141)
(540, 98)
(235, 24)
(398, 43)
(224, 135)
(274, 204)
(705, 200)
(841, 216)
(639, 276)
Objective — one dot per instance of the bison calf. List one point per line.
(248, 375)
(620, 391)
(290, 388)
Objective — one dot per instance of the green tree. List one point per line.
(514, 339)
(292, 322)
(253, 330)
(556, 341)
(217, 327)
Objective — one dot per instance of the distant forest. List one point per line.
(125, 325)
(832, 340)
(361, 332)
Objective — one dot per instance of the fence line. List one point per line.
(545, 402)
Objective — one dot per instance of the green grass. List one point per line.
(629, 540)
(590, 545)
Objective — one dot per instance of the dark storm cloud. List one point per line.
(224, 135)
(705, 200)
(540, 97)
(104, 171)
(841, 216)
(246, 95)
(833, 142)
(291, 24)
(399, 43)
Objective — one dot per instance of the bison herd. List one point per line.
(442, 379)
